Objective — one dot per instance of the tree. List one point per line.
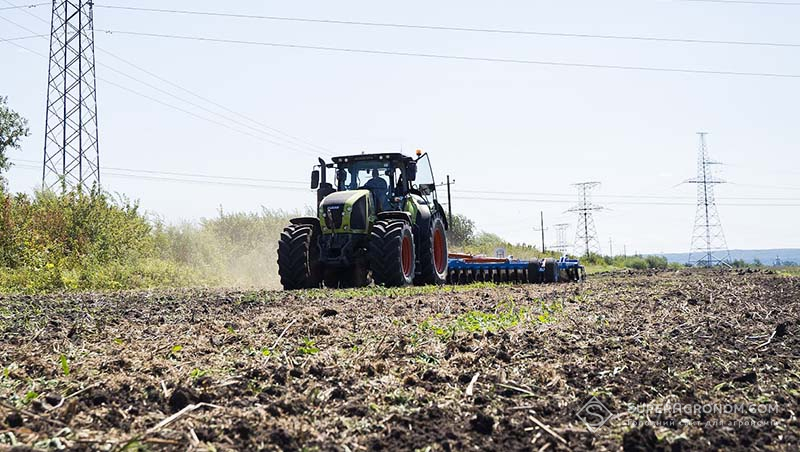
(12, 128)
(461, 231)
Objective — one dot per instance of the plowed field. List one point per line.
(637, 361)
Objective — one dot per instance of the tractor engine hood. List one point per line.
(346, 212)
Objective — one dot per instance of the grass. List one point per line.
(505, 316)
(395, 292)
(788, 271)
(263, 296)
(593, 269)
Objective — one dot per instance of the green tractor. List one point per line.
(378, 219)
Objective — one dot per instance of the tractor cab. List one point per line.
(390, 178)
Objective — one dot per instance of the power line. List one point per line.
(189, 181)
(249, 179)
(313, 150)
(174, 107)
(190, 113)
(174, 173)
(491, 192)
(21, 38)
(218, 105)
(455, 57)
(776, 187)
(446, 28)
(744, 2)
(22, 6)
(231, 180)
(158, 101)
(632, 203)
(195, 104)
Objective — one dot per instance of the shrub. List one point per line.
(78, 240)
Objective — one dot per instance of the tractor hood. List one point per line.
(346, 212)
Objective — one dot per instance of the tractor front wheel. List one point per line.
(391, 251)
(298, 257)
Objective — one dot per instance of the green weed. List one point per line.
(197, 373)
(308, 347)
(64, 365)
(30, 396)
(505, 316)
(175, 351)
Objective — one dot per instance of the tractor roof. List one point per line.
(390, 156)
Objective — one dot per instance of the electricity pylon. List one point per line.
(71, 151)
(561, 238)
(586, 233)
(708, 240)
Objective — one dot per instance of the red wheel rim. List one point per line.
(439, 258)
(406, 255)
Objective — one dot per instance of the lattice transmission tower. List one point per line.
(586, 233)
(71, 152)
(708, 240)
(561, 238)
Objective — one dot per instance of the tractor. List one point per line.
(378, 220)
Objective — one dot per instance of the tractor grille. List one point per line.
(333, 216)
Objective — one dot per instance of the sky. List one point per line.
(492, 126)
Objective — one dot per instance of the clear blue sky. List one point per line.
(492, 126)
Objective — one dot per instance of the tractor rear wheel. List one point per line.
(298, 257)
(391, 251)
(433, 254)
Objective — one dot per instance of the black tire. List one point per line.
(550, 271)
(298, 257)
(389, 253)
(432, 264)
(534, 274)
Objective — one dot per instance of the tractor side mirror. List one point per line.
(411, 171)
(315, 179)
(427, 189)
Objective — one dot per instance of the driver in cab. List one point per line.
(379, 187)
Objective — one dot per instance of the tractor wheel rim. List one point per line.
(439, 258)
(406, 256)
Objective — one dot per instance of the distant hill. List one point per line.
(767, 257)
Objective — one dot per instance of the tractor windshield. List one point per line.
(364, 175)
(373, 175)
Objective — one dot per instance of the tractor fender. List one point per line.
(311, 221)
(424, 215)
(395, 215)
(440, 209)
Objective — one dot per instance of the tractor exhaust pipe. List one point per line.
(323, 173)
(324, 188)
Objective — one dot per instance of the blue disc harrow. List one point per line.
(466, 268)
